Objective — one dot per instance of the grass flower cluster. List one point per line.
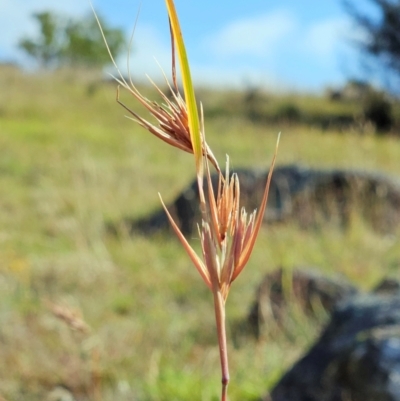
(227, 232)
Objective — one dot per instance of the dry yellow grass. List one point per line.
(68, 164)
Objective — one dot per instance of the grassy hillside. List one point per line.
(69, 163)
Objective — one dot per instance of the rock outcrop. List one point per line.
(306, 196)
(356, 358)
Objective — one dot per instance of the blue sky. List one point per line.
(283, 44)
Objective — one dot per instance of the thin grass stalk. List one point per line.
(219, 308)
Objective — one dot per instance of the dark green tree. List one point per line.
(46, 48)
(84, 44)
(379, 21)
(72, 42)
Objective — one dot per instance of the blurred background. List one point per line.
(279, 45)
(92, 310)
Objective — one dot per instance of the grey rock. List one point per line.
(388, 286)
(306, 196)
(306, 287)
(356, 358)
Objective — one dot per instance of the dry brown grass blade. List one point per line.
(226, 273)
(252, 234)
(72, 318)
(189, 250)
(173, 65)
(213, 206)
(210, 256)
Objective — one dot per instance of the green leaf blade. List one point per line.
(193, 116)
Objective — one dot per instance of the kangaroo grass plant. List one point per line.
(227, 232)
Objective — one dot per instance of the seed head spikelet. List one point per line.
(174, 118)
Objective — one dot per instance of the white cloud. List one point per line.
(16, 19)
(251, 36)
(323, 40)
(149, 54)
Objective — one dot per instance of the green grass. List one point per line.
(69, 163)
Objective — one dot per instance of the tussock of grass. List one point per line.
(68, 164)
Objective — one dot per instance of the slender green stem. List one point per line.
(219, 305)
